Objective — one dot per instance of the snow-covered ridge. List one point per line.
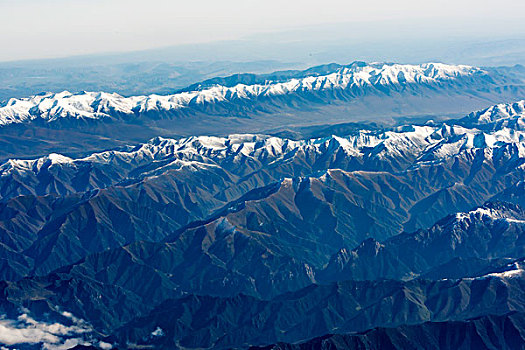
(401, 149)
(99, 105)
(486, 213)
(420, 145)
(211, 149)
(404, 148)
(498, 116)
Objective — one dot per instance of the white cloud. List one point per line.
(52, 336)
(157, 332)
(104, 346)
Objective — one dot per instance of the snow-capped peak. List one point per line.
(499, 116)
(489, 213)
(99, 105)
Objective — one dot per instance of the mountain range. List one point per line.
(336, 81)
(384, 93)
(385, 234)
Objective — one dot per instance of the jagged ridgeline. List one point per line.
(408, 235)
(285, 104)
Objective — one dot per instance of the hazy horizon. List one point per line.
(136, 48)
(33, 29)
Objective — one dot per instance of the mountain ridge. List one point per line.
(100, 105)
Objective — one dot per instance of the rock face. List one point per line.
(382, 238)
